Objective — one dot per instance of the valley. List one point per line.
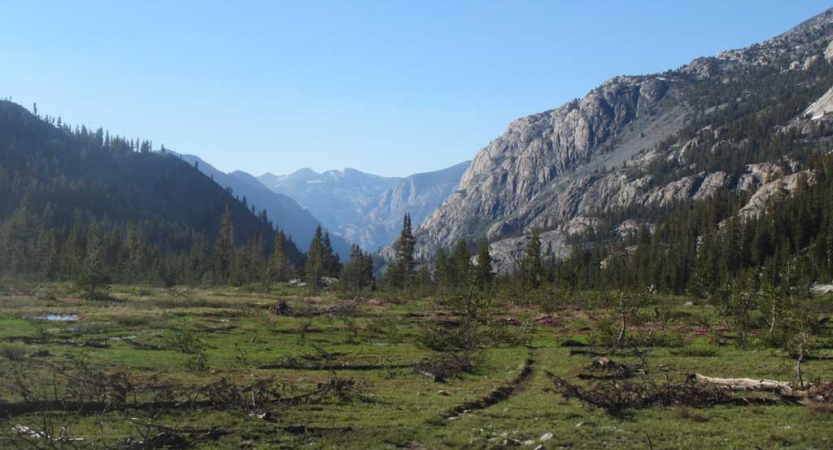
(647, 266)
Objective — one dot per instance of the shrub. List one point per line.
(13, 352)
(185, 341)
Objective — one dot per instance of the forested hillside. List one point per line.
(78, 202)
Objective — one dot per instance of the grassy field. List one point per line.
(222, 368)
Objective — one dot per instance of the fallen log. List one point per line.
(748, 384)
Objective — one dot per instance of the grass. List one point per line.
(154, 336)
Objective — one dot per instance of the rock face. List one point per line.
(521, 178)
(782, 186)
(822, 106)
(364, 208)
(591, 155)
(420, 195)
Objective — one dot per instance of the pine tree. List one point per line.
(332, 261)
(461, 264)
(357, 273)
(403, 272)
(314, 269)
(280, 267)
(532, 267)
(224, 250)
(484, 266)
(442, 274)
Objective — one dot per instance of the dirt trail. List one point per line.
(500, 394)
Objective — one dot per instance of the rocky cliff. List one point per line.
(631, 142)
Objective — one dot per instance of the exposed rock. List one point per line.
(674, 191)
(546, 437)
(507, 252)
(712, 183)
(588, 156)
(515, 179)
(419, 195)
(822, 106)
(759, 174)
(810, 62)
(630, 227)
(782, 186)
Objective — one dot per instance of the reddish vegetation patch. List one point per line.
(516, 309)
(510, 321)
(550, 320)
(373, 302)
(822, 392)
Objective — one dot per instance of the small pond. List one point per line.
(59, 317)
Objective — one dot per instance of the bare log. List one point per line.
(748, 384)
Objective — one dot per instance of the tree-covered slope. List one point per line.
(63, 192)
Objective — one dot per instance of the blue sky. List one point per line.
(387, 87)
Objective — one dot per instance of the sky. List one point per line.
(384, 86)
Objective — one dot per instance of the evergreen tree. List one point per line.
(280, 266)
(461, 264)
(442, 270)
(315, 269)
(224, 253)
(484, 266)
(532, 267)
(403, 270)
(332, 261)
(357, 274)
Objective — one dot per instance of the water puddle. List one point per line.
(122, 338)
(60, 317)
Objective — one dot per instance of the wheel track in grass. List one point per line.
(500, 394)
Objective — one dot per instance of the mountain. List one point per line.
(731, 122)
(419, 194)
(285, 213)
(336, 197)
(363, 208)
(68, 196)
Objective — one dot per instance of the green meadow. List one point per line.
(233, 368)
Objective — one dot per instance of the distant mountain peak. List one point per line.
(366, 208)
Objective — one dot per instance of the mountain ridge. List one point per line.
(564, 164)
(297, 222)
(364, 208)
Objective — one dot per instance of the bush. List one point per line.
(198, 363)
(185, 341)
(511, 334)
(448, 365)
(13, 352)
(447, 339)
(93, 283)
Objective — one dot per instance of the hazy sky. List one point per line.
(384, 86)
